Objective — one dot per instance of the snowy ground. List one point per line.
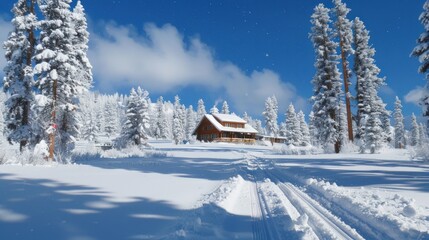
(218, 191)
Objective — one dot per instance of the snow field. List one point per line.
(216, 191)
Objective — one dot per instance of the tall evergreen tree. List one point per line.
(399, 125)
(161, 125)
(326, 82)
(423, 134)
(373, 132)
(270, 114)
(293, 130)
(305, 132)
(178, 126)
(201, 110)
(136, 128)
(225, 107)
(111, 118)
(80, 47)
(190, 122)
(422, 52)
(90, 129)
(214, 109)
(415, 135)
(343, 28)
(283, 129)
(18, 79)
(56, 71)
(312, 129)
(369, 104)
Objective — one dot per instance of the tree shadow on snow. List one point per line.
(46, 209)
(360, 172)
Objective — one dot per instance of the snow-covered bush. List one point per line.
(294, 150)
(36, 156)
(420, 152)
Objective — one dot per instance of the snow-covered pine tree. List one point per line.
(246, 117)
(258, 126)
(399, 125)
(56, 70)
(214, 109)
(369, 104)
(415, 135)
(326, 82)
(293, 130)
(305, 132)
(136, 128)
(190, 123)
(178, 127)
(270, 114)
(201, 110)
(283, 129)
(99, 113)
(111, 118)
(80, 47)
(343, 28)
(18, 80)
(225, 107)
(161, 125)
(422, 52)
(90, 129)
(373, 132)
(312, 129)
(423, 134)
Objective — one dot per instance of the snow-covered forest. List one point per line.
(48, 102)
(350, 168)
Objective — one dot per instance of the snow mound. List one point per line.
(396, 215)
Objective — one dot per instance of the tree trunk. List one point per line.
(346, 90)
(53, 122)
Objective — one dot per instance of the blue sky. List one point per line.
(241, 51)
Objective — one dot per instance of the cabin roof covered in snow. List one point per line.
(232, 118)
(247, 128)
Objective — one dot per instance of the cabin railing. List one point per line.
(236, 140)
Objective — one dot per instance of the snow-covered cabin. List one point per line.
(224, 128)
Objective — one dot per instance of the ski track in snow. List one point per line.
(322, 224)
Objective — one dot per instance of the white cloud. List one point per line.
(161, 60)
(5, 28)
(415, 95)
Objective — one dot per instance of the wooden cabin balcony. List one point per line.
(236, 140)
